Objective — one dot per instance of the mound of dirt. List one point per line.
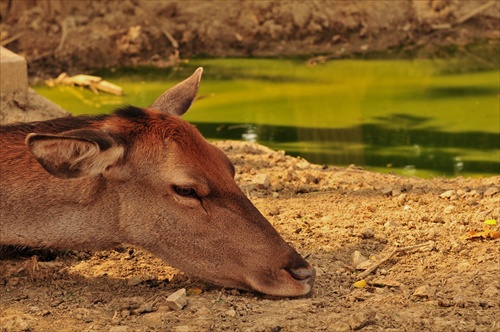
(342, 219)
(60, 35)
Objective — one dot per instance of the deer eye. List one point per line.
(185, 191)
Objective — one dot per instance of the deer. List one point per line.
(147, 178)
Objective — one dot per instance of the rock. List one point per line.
(176, 301)
(231, 313)
(182, 328)
(134, 281)
(14, 324)
(449, 209)
(396, 192)
(386, 191)
(447, 194)
(358, 259)
(381, 282)
(391, 224)
(491, 191)
(367, 233)
(358, 320)
(121, 328)
(262, 181)
(422, 292)
(303, 165)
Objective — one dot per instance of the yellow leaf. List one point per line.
(360, 284)
(491, 222)
(194, 291)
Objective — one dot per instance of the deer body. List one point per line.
(144, 177)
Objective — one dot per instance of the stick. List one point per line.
(11, 39)
(474, 12)
(464, 18)
(171, 38)
(389, 256)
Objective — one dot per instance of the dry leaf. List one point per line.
(487, 234)
(360, 284)
(194, 291)
(490, 222)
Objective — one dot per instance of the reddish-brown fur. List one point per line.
(144, 177)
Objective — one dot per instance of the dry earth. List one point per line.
(61, 35)
(328, 214)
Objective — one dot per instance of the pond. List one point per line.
(413, 117)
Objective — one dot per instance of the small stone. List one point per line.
(385, 283)
(134, 281)
(231, 313)
(303, 165)
(391, 224)
(357, 320)
(358, 258)
(422, 292)
(386, 191)
(120, 328)
(461, 192)
(176, 301)
(182, 328)
(262, 181)
(367, 233)
(396, 192)
(449, 209)
(491, 191)
(447, 194)
(14, 323)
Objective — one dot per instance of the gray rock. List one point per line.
(177, 300)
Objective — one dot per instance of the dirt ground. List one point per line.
(73, 36)
(342, 219)
(336, 217)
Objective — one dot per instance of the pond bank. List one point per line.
(74, 36)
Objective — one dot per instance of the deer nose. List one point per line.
(304, 273)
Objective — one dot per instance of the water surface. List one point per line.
(421, 117)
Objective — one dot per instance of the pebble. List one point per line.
(176, 301)
(391, 224)
(447, 194)
(121, 328)
(134, 281)
(262, 181)
(386, 191)
(231, 313)
(422, 292)
(491, 191)
(367, 233)
(449, 209)
(182, 328)
(358, 320)
(303, 165)
(14, 324)
(358, 259)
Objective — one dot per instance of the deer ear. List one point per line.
(76, 153)
(177, 100)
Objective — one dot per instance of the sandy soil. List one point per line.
(332, 216)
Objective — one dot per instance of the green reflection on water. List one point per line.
(418, 117)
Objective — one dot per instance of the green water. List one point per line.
(421, 117)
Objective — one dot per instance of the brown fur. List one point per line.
(144, 177)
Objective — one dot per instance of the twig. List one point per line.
(474, 12)
(464, 18)
(12, 39)
(389, 256)
(171, 38)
